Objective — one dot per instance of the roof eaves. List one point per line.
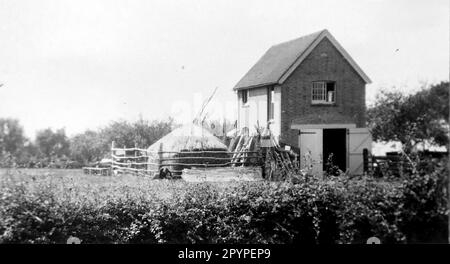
(253, 86)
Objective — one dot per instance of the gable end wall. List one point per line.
(296, 90)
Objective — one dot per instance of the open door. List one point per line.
(311, 149)
(335, 148)
(358, 140)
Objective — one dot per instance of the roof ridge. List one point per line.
(302, 37)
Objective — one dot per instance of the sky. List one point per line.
(81, 64)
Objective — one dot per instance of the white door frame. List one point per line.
(307, 127)
(321, 126)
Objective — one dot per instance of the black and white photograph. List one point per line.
(222, 122)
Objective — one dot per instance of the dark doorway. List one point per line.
(335, 148)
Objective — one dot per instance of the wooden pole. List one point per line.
(237, 149)
(448, 187)
(263, 152)
(365, 160)
(224, 130)
(160, 157)
(112, 157)
(135, 159)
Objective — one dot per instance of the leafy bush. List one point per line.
(132, 209)
(424, 201)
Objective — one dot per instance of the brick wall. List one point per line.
(296, 91)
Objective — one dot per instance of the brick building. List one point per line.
(311, 94)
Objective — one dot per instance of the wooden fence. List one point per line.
(133, 160)
(391, 164)
(142, 161)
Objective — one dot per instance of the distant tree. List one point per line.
(87, 147)
(411, 119)
(12, 141)
(52, 144)
(12, 137)
(146, 133)
(141, 133)
(28, 156)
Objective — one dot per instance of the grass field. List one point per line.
(72, 185)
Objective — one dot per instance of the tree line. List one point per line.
(53, 148)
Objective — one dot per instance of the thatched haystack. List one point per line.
(179, 150)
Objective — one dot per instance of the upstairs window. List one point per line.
(323, 92)
(244, 96)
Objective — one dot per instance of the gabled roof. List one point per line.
(277, 64)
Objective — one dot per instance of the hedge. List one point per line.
(311, 211)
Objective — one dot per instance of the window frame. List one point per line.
(323, 93)
(244, 93)
(271, 103)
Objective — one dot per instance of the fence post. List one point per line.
(112, 158)
(160, 156)
(135, 159)
(365, 160)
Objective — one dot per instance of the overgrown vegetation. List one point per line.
(49, 207)
(411, 119)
